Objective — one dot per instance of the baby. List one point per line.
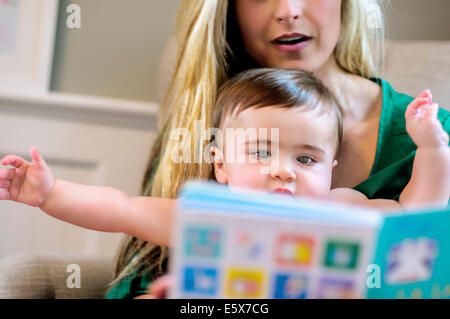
(296, 158)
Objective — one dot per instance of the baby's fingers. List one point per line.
(5, 195)
(13, 160)
(36, 157)
(432, 111)
(415, 107)
(5, 184)
(426, 94)
(7, 174)
(418, 102)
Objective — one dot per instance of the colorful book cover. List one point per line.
(248, 244)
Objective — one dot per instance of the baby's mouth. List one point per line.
(282, 191)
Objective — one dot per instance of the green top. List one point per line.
(390, 173)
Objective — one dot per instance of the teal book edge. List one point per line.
(413, 253)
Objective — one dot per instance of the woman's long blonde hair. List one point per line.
(206, 32)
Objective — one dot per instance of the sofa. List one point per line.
(55, 276)
(411, 67)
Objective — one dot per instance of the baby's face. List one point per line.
(298, 162)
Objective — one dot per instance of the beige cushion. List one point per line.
(45, 276)
(413, 66)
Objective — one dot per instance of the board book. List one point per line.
(249, 244)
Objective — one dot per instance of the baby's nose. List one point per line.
(284, 172)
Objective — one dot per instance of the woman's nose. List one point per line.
(288, 10)
(283, 172)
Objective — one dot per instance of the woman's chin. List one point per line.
(294, 65)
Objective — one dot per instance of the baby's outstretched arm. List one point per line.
(429, 185)
(97, 208)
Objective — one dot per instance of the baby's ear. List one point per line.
(218, 162)
(335, 163)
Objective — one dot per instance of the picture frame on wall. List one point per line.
(27, 35)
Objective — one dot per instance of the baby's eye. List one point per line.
(261, 154)
(305, 160)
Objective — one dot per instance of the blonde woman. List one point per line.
(340, 41)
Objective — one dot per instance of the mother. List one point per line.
(338, 40)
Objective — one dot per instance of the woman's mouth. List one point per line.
(291, 42)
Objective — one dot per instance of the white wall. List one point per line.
(116, 51)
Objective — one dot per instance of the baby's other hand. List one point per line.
(160, 287)
(27, 183)
(422, 123)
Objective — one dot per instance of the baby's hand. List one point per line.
(27, 183)
(422, 123)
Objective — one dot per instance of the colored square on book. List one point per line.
(244, 283)
(336, 288)
(200, 280)
(290, 286)
(294, 250)
(341, 255)
(202, 241)
(248, 245)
